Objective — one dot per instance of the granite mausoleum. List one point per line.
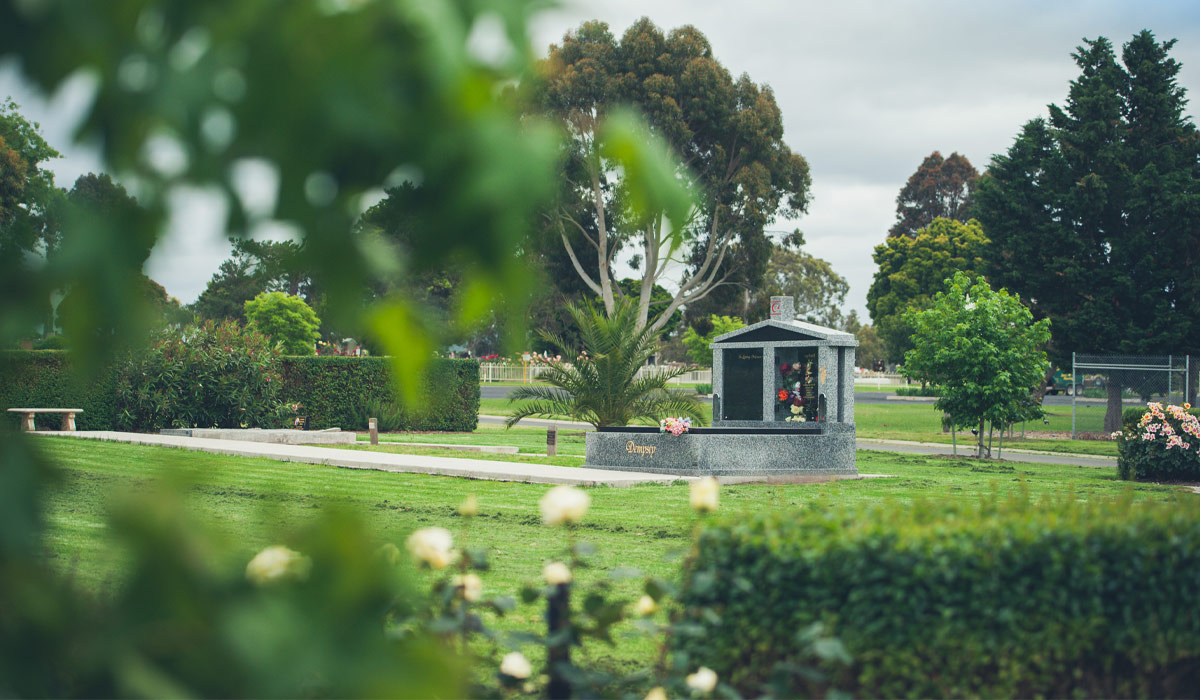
(783, 404)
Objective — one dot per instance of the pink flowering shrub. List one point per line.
(1164, 445)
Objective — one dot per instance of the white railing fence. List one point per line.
(529, 372)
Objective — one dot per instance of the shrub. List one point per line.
(927, 390)
(993, 599)
(704, 389)
(206, 376)
(286, 320)
(43, 379)
(340, 391)
(1163, 445)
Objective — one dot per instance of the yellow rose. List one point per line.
(432, 545)
(469, 508)
(556, 572)
(275, 564)
(472, 587)
(705, 494)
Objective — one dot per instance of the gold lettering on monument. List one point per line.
(635, 449)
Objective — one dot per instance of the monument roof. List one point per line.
(779, 331)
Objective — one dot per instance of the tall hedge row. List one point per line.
(333, 391)
(341, 391)
(996, 599)
(43, 379)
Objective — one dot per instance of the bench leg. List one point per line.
(68, 423)
(27, 422)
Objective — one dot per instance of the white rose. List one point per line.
(472, 587)
(656, 693)
(646, 606)
(703, 680)
(564, 504)
(556, 572)
(432, 545)
(276, 563)
(705, 494)
(515, 665)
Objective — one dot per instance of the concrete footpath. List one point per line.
(383, 461)
(918, 448)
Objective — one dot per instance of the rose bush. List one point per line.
(1164, 445)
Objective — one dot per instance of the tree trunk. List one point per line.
(1112, 416)
(979, 452)
(1047, 380)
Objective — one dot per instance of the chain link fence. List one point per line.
(1139, 379)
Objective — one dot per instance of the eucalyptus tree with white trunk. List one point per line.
(724, 135)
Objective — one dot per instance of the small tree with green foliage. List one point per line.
(287, 320)
(912, 270)
(697, 345)
(601, 386)
(983, 349)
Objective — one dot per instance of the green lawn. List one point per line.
(247, 498)
(920, 422)
(252, 501)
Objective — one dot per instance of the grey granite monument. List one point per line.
(783, 404)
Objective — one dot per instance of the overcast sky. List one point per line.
(867, 90)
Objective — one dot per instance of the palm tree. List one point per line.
(602, 387)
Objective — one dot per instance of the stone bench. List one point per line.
(27, 414)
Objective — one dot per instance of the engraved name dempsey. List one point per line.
(635, 449)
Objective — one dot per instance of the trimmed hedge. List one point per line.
(43, 379)
(337, 391)
(334, 391)
(993, 599)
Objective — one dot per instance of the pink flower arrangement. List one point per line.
(675, 426)
(1156, 425)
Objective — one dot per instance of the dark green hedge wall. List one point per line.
(336, 392)
(43, 379)
(993, 599)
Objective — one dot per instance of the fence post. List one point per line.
(1074, 393)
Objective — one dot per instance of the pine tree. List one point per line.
(1093, 215)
